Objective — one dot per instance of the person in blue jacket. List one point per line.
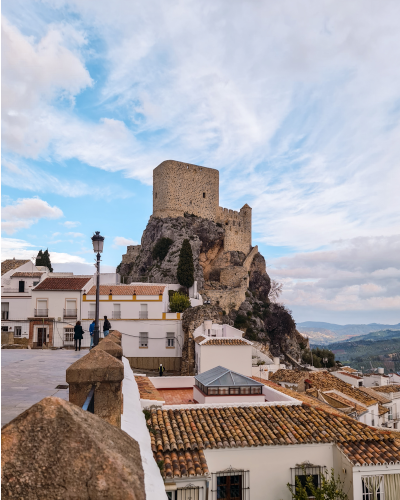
(91, 331)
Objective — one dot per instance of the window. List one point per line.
(301, 473)
(223, 391)
(143, 314)
(156, 195)
(5, 306)
(17, 331)
(204, 195)
(212, 391)
(92, 311)
(170, 340)
(35, 283)
(245, 390)
(230, 484)
(41, 308)
(117, 311)
(21, 287)
(390, 414)
(234, 390)
(143, 339)
(69, 335)
(256, 390)
(4, 328)
(373, 422)
(372, 488)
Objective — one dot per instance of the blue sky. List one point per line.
(296, 103)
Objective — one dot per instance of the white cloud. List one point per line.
(120, 241)
(77, 235)
(21, 249)
(26, 212)
(361, 274)
(71, 224)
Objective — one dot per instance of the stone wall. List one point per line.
(235, 276)
(226, 299)
(182, 187)
(237, 227)
(132, 251)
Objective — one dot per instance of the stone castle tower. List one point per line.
(182, 187)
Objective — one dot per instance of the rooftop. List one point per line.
(349, 369)
(339, 401)
(128, 290)
(73, 283)
(221, 341)
(387, 389)
(352, 375)
(375, 394)
(147, 389)
(179, 435)
(9, 264)
(372, 452)
(220, 376)
(21, 274)
(289, 376)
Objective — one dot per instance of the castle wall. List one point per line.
(237, 228)
(132, 251)
(182, 187)
(234, 276)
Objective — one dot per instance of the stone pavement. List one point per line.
(29, 375)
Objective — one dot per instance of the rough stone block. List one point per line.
(7, 338)
(56, 450)
(110, 347)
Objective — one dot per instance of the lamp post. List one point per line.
(98, 242)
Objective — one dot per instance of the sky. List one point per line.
(297, 104)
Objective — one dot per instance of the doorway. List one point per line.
(41, 337)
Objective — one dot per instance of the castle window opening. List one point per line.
(204, 195)
(234, 223)
(156, 195)
(226, 223)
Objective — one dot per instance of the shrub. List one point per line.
(240, 320)
(179, 302)
(330, 488)
(224, 313)
(185, 273)
(161, 248)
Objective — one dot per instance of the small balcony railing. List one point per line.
(91, 315)
(116, 314)
(143, 315)
(4, 314)
(13, 290)
(41, 313)
(70, 313)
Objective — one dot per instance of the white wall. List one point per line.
(172, 382)
(234, 357)
(375, 380)
(269, 466)
(56, 302)
(350, 380)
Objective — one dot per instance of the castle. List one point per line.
(182, 187)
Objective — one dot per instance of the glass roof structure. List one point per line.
(220, 376)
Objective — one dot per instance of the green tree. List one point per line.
(43, 259)
(161, 248)
(185, 273)
(330, 488)
(179, 302)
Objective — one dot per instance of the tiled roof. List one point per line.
(183, 463)
(301, 396)
(199, 339)
(351, 375)
(21, 274)
(128, 290)
(387, 388)
(9, 264)
(147, 389)
(74, 283)
(325, 381)
(222, 341)
(375, 394)
(248, 426)
(349, 369)
(372, 452)
(382, 410)
(342, 402)
(289, 376)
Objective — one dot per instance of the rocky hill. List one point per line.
(236, 284)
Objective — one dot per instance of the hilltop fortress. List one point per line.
(180, 188)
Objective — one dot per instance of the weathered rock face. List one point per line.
(56, 450)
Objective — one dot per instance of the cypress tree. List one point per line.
(43, 259)
(39, 258)
(185, 273)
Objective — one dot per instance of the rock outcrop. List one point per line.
(56, 450)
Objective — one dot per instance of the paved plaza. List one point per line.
(29, 375)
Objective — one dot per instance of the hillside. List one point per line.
(325, 333)
(376, 349)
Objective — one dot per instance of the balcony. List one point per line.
(41, 313)
(14, 290)
(70, 313)
(91, 315)
(143, 315)
(116, 315)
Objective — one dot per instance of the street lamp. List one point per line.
(98, 242)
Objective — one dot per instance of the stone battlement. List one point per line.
(182, 187)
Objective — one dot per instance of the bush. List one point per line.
(330, 488)
(240, 321)
(185, 273)
(179, 302)
(161, 248)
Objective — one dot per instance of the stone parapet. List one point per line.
(110, 347)
(105, 372)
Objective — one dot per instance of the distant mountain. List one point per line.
(324, 333)
(379, 335)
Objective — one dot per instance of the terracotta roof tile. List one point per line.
(372, 452)
(349, 369)
(73, 283)
(9, 264)
(289, 376)
(147, 389)
(375, 394)
(21, 274)
(387, 389)
(199, 339)
(223, 341)
(183, 463)
(352, 375)
(128, 290)
(342, 402)
(382, 410)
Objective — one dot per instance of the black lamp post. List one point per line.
(98, 242)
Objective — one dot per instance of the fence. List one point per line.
(170, 364)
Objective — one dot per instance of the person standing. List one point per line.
(106, 326)
(91, 331)
(78, 335)
(161, 370)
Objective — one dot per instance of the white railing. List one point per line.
(143, 315)
(116, 314)
(41, 313)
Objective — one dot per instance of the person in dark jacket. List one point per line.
(78, 335)
(161, 370)
(106, 326)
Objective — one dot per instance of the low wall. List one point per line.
(7, 338)
(233, 398)
(273, 395)
(172, 382)
(170, 364)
